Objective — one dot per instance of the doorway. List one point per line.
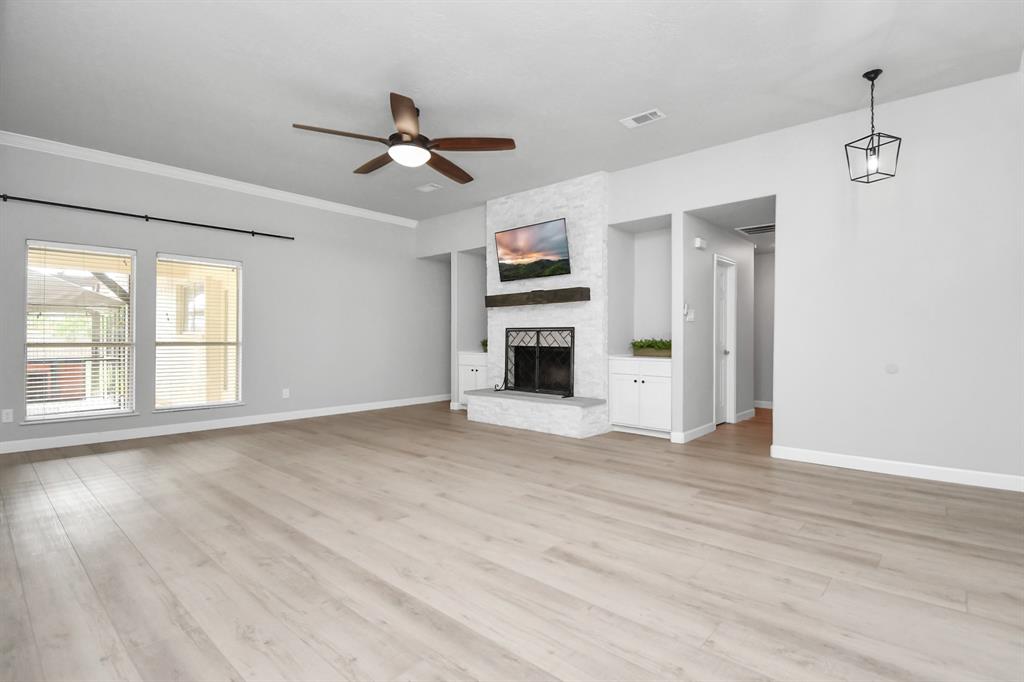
(722, 245)
(724, 345)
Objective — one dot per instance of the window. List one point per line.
(79, 332)
(197, 333)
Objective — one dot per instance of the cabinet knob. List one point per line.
(634, 381)
(642, 381)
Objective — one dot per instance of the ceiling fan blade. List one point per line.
(373, 164)
(407, 117)
(473, 144)
(448, 169)
(329, 131)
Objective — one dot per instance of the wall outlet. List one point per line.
(7, 416)
(286, 393)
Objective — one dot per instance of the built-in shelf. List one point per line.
(539, 297)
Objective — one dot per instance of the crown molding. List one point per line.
(71, 151)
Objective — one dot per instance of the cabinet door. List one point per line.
(656, 403)
(467, 381)
(480, 378)
(624, 399)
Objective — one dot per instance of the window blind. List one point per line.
(79, 332)
(197, 333)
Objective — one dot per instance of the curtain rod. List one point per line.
(147, 218)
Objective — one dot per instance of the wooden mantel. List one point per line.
(538, 297)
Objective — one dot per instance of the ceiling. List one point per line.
(215, 87)
(746, 213)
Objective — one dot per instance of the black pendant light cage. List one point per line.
(873, 157)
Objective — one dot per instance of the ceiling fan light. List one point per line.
(409, 155)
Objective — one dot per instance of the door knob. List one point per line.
(725, 352)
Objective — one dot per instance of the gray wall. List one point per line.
(459, 231)
(472, 287)
(639, 285)
(698, 336)
(345, 314)
(897, 304)
(764, 325)
(652, 316)
(621, 284)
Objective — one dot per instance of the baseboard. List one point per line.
(640, 432)
(763, 404)
(692, 434)
(744, 416)
(45, 442)
(984, 479)
(455, 407)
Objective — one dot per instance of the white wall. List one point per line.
(764, 325)
(652, 295)
(921, 274)
(699, 335)
(345, 314)
(472, 287)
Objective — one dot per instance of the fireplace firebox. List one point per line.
(539, 360)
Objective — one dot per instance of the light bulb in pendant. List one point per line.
(872, 161)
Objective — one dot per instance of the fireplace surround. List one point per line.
(539, 360)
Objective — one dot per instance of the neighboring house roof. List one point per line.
(73, 292)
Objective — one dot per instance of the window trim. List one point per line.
(133, 254)
(200, 260)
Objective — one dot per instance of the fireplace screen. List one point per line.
(539, 360)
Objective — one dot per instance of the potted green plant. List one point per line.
(656, 348)
(483, 344)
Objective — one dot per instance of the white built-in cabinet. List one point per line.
(640, 392)
(472, 373)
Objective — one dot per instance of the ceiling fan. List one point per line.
(409, 148)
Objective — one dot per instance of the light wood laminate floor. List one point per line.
(410, 544)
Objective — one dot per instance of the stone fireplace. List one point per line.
(539, 360)
(550, 354)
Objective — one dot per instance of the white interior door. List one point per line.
(725, 340)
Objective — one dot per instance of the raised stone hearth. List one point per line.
(572, 417)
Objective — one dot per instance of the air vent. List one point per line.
(757, 229)
(429, 187)
(646, 117)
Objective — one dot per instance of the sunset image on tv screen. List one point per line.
(539, 250)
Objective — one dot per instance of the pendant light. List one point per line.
(873, 157)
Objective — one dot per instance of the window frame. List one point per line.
(132, 254)
(200, 260)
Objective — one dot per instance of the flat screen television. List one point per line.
(540, 250)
